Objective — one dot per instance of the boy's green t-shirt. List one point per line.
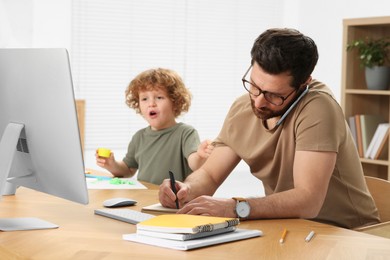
(155, 153)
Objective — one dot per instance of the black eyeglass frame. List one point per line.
(265, 93)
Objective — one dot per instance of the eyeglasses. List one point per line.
(254, 90)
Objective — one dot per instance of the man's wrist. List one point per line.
(242, 208)
(233, 211)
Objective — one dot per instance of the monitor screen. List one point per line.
(40, 145)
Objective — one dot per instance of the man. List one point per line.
(292, 133)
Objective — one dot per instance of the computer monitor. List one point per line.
(40, 145)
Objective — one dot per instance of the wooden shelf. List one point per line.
(355, 97)
(367, 92)
(375, 162)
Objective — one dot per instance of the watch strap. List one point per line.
(239, 199)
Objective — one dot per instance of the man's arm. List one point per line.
(312, 172)
(204, 181)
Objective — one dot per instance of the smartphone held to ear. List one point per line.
(292, 106)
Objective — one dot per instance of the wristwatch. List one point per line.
(243, 208)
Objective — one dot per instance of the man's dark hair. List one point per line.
(286, 50)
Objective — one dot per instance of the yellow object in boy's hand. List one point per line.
(104, 152)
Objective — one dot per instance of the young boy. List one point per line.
(160, 96)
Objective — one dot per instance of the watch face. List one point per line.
(243, 209)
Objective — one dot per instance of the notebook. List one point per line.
(159, 208)
(238, 234)
(184, 223)
(182, 237)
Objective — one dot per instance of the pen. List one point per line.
(283, 236)
(173, 187)
(310, 236)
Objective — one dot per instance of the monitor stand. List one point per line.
(8, 145)
(17, 224)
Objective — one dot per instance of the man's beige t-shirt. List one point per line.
(317, 123)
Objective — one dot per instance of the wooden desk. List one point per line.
(83, 235)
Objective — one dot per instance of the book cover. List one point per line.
(238, 234)
(380, 136)
(369, 124)
(352, 127)
(183, 237)
(384, 140)
(359, 136)
(374, 140)
(185, 223)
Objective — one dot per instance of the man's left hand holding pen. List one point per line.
(168, 197)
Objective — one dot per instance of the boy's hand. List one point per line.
(205, 149)
(103, 162)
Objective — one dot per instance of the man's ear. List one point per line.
(308, 80)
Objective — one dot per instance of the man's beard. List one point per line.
(265, 113)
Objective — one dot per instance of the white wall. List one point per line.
(322, 21)
(35, 23)
(15, 23)
(52, 23)
(47, 23)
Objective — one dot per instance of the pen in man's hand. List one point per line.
(173, 187)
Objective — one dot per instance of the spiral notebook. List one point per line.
(184, 223)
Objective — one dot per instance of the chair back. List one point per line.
(380, 191)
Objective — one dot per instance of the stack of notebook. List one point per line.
(184, 232)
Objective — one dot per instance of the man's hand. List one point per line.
(168, 198)
(210, 206)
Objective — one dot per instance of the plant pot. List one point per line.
(378, 77)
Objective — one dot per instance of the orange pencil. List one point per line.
(283, 236)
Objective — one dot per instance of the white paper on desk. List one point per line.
(95, 184)
(239, 234)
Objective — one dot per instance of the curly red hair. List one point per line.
(159, 78)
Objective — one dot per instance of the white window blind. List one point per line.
(207, 42)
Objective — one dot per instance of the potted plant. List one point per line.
(373, 55)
